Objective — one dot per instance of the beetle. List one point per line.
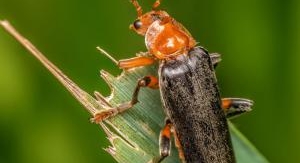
(196, 115)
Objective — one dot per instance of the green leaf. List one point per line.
(134, 133)
(141, 124)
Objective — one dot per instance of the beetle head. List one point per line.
(142, 23)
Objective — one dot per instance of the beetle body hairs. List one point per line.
(195, 113)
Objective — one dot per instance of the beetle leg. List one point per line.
(131, 62)
(147, 81)
(215, 59)
(236, 106)
(145, 61)
(164, 142)
(179, 147)
(135, 62)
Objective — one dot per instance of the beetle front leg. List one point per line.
(236, 106)
(135, 62)
(147, 81)
(131, 62)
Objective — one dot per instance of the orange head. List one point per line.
(164, 37)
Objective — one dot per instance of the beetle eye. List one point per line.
(137, 24)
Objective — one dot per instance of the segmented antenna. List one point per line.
(156, 4)
(139, 9)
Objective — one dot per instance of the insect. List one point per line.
(195, 113)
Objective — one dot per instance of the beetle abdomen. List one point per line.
(192, 102)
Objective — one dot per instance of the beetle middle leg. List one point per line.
(236, 106)
(147, 81)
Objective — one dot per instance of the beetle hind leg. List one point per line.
(164, 142)
(236, 106)
(147, 81)
(215, 59)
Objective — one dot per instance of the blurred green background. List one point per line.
(40, 121)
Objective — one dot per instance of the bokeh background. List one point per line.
(41, 122)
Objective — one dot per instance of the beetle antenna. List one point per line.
(156, 4)
(138, 8)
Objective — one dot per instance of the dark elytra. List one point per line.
(192, 101)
